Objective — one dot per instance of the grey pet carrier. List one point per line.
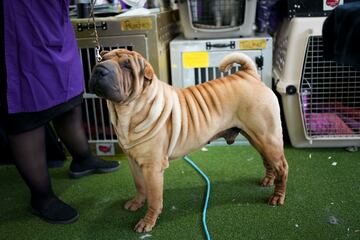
(217, 18)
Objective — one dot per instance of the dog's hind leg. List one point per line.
(276, 166)
(154, 179)
(139, 200)
(275, 163)
(269, 178)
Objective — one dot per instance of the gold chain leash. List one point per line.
(92, 16)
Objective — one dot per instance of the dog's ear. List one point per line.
(148, 71)
(103, 52)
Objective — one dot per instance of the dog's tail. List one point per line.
(237, 57)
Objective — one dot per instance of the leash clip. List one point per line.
(97, 53)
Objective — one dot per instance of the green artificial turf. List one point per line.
(323, 200)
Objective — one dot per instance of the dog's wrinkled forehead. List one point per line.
(129, 60)
(118, 55)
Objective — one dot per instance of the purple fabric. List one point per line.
(41, 54)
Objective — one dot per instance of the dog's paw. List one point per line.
(133, 205)
(277, 199)
(267, 181)
(144, 226)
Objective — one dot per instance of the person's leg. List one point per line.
(29, 151)
(71, 131)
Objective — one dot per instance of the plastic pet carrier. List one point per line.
(217, 18)
(321, 99)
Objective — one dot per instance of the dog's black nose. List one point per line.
(97, 76)
(103, 83)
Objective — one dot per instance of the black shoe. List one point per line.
(92, 165)
(57, 212)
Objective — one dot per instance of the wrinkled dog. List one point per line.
(156, 122)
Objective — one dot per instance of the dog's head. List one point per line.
(121, 75)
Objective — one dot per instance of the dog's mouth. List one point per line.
(103, 83)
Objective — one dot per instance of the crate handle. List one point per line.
(84, 26)
(220, 45)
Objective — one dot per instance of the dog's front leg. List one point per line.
(154, 181)
(139, 200)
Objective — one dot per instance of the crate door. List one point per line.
(330, 96)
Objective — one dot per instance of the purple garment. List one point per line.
(41, 55)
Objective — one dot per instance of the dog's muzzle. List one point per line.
(103, 83)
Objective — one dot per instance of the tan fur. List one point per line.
(158, 122)
(237, 57)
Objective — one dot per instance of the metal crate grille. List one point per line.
(202, 75)
(330, 95)
(95, 114)
(217, 14)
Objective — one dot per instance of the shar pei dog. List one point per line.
(156, 122)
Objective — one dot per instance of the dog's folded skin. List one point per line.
(156, 122)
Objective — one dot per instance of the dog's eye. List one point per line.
(125, 64)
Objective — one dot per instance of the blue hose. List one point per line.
(186, 158)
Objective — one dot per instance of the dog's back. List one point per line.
(221, 104)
